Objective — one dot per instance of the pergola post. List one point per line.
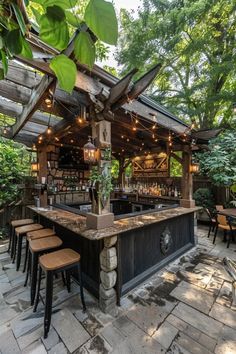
(42, 175)
(101, 217)
(187, 180)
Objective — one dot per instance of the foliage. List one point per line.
(175, 166)
(203, 197)
(54, 20)
(103, 179)
(14, 164)
(195, 42)
(219, 163)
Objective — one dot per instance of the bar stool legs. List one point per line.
(81, 287)
(48, 304)
(19, 249)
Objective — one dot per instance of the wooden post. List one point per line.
(101, 216)
(187, 180)
(42, 160)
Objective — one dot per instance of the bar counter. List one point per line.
(116, 259)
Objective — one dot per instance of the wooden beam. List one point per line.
(14, 110)
(176, 157)
(119, 89)
(138, 87)
(33, 104)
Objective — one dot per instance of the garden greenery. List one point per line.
(53, 20)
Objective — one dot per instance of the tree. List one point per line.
(55, 20)
(219, 162)
(14, 165)
(195, 42)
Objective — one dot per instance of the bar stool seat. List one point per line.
(21, 222)
(43, 244)
(37, 247)
(21, 231)
(33, 235)
(14, 224)
(58, 261)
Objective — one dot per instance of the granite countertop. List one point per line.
(77, 223)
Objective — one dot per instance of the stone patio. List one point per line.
(184, 308)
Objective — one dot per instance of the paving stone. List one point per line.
(6, 313)
(214, 285)
(30, 337)
(35, 348)
(95, 345)
(81, 315)
(92, 326)
(207, 342)
(177, 349)
(5, 287)
(52, 340)
(8, 343)
(4, 328)
(112, 335)
(224, 315)
(125, 325)
(69, 329)
(199, 320)
(184, 327)
(200, 278)
(165, 334)
(103, 318)
(226, 342)
(190, 345)
(26, 322)
(148, 318)
(58, 349)
(194, 296)
(225, 294)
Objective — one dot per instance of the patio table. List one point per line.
(228, 212)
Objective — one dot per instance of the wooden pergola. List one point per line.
(114, 112)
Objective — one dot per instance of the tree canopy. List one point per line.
(195, 42)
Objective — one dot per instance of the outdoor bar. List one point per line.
(125, 232)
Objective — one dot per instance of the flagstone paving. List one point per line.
(184, 308)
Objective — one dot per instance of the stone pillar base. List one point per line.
(98, 222)
(186, 203)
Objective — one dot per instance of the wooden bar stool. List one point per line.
(37, 247)
(58, 261)
(12, 237)
(33, 235)
(20, 233)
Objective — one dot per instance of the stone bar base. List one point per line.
(186, 203)
(108, 276)
(98, 222)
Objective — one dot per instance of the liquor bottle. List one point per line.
(176, 192)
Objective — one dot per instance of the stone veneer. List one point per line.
(108, 276)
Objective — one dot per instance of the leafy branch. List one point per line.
(54, 20)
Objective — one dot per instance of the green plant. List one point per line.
(204, 197)
(54, 20)
(103, 180)
(14, 165)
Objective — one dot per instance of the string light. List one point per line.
(40, 138)
(142, 144)
(79, 120)
(56, 138)
(5, 130)
(154, 126)
(122, 136)
(136, 121)
(127, 140)
(134, 129)
(49, 130)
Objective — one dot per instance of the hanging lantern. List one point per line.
(194, 167)
(90, 152)
(34, 166)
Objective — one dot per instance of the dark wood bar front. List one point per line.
(129, 251)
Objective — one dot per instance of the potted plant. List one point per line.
(204, 197)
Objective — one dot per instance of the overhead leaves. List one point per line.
(84, 49)
(101, 18)
(19, 17)
(13, 40)
(26, 49)
(53, 28)
(65, 71)
(4, 60)
(64, 4)
(72, 19)
(2, 74)
(1, 41)
(37, 15)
